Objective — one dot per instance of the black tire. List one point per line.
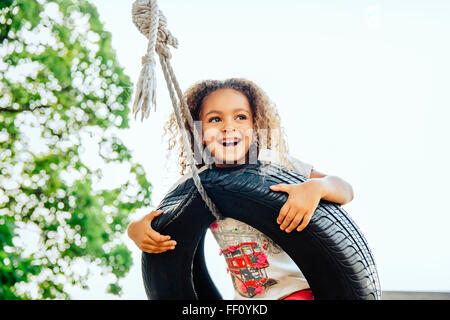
(331, 251)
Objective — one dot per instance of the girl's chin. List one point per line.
(224, 159)
(228, 156)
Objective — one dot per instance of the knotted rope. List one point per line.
(151, 22)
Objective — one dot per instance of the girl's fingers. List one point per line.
(152, 249)
(305, 222)
(156, 236)
(287, 220)
(283, 212)
(280, 187)
(152, 242)
(294, 223)
(156, 239)
(154, 214)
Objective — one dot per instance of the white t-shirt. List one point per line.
(258, 267)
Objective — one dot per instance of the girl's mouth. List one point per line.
(231, 143)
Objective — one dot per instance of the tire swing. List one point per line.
(331, 252)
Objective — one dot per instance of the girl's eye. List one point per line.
(214, 118)
(211, 120)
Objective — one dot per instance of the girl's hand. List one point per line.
(299, 207)
(146, 238)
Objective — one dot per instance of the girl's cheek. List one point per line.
(248, 132)
(210, 134)
(208, 139)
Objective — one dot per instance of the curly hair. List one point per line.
(265, 117)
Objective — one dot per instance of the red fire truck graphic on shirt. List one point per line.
(246, 263)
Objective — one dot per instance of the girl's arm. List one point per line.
(334, 189)
(304, 198)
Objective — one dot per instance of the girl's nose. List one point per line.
(228, 126)
(228, 129)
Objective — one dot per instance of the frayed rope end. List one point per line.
(145, 96)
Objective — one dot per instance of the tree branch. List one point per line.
(10, 110)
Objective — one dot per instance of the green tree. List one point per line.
(60, 81)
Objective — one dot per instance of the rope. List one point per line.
(151, 22)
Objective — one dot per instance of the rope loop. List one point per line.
(147, 59)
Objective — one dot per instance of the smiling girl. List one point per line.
(236, 115)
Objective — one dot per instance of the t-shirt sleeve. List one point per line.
(304, 168)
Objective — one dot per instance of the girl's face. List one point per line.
(227, 126)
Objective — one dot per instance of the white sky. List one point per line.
(362, 91)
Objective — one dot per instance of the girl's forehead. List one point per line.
(225, 100)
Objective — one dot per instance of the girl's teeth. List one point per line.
(229, 144)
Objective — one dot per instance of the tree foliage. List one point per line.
(60, 81)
